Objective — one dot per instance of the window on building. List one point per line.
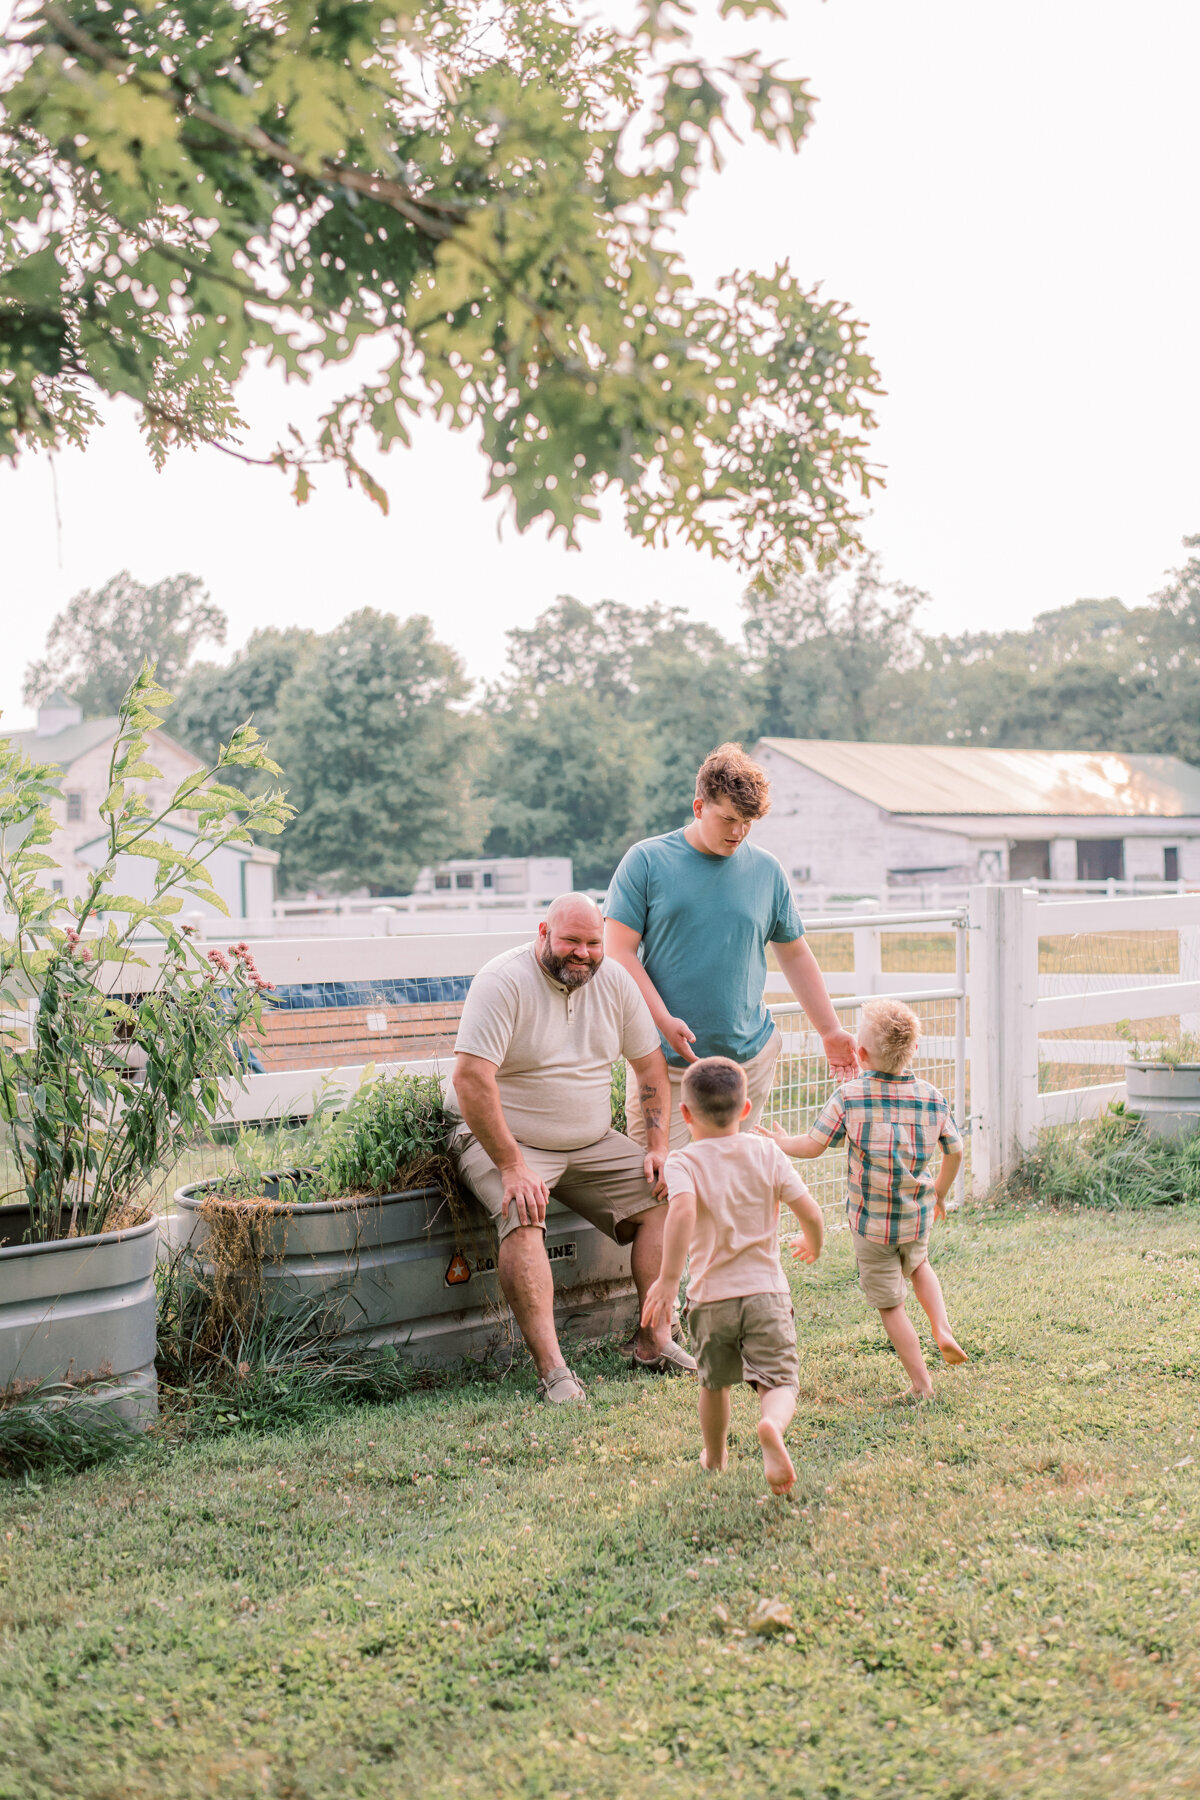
(464, 879)
(441, 881)
(1029, 860)
(74, 807)
(487, 878)
(1100, 859)
(803, 873)
(56, 887)
(1170, 862)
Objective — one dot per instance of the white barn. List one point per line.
(865, 817)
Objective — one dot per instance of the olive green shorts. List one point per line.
(752, 1338)
(884, 1268)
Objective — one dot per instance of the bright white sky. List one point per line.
(1005, 192)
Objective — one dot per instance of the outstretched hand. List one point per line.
(679, 1037)
(801, 1248)
(842, 1054)
(659, 1304)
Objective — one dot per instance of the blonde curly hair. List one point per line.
(890, 1031)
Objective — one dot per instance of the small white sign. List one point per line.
(376, 1021)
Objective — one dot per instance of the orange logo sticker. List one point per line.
(459, 1270)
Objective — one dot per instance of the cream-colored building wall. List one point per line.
(818, 827)
(87, 776)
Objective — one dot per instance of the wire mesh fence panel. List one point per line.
(803, 1082)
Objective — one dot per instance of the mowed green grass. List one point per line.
(469, 1594)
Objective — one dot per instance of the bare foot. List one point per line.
(952, 1352)
(777, 1464)
(713, 1468)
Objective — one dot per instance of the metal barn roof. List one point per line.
(954, 779)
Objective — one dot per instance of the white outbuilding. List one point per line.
(867, 817)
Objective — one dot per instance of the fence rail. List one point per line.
(1017, 971)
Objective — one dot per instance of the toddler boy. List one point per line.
(892, 1123)
(723, 1193)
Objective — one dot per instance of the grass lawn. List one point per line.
(469, 1594)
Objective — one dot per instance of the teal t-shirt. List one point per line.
(705, 923)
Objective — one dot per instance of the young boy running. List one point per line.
(723, 1195)
(892, 1124)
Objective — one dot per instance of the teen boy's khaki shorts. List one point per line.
(884, 1268)
(760, 1076)
(749, 1339)
(605, 1182)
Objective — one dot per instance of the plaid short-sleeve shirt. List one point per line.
(892, 1125)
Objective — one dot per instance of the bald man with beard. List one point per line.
(540, 1031)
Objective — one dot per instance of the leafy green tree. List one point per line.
(1066, 683)
(484, 200)
(1162, 713)
(827, 647)
(378, 755)
(654, 668)
(568, 775)
(215, 698)
(97, 644)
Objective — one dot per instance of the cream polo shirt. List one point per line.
(553, 1048)
(738, 1182)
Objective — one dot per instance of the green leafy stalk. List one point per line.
(100, 1088)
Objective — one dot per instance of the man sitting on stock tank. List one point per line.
(540, 1031)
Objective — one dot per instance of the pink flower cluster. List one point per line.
(76, 946)
(244, 957)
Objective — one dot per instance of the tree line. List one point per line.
(591, 735)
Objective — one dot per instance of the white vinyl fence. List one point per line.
(1030, 1008)
(1045, 972)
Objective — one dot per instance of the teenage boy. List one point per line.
(690, 915)
(893, 1124)
(724, 1192)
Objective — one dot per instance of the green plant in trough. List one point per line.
(393, 1135)
(109, 1089)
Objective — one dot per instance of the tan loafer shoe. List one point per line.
(561, 1388)
(672, 1359)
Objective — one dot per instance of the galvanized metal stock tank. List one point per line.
(398, 1273)
(1166, 1097)
(81, 1310)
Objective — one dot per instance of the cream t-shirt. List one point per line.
(739, 1183)
(553, 1048)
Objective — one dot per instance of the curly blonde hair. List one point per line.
(891, 1031)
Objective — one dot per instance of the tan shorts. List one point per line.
(760, 1077)
(751, 1339)
(604, 1182)
(884, 1268)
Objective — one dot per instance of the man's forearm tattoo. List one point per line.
(651, 1106)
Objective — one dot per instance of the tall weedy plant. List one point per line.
(103, 1086)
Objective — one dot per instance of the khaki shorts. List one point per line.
(750, 1339)
(760, 1077)
(604, 1182)
(884, 1268)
